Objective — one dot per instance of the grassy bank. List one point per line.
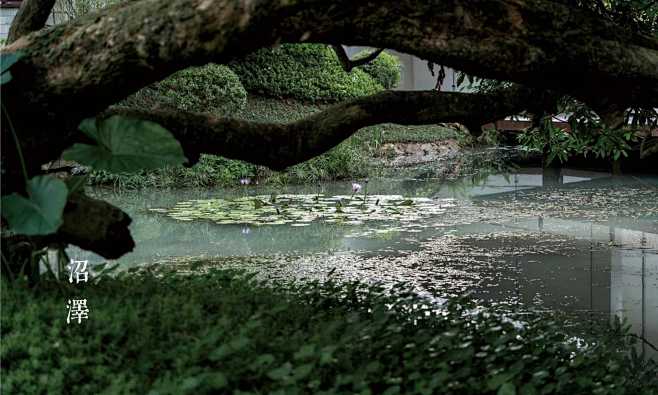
(223, 333)
(349, 160)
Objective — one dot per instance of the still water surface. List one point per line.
(574, 241)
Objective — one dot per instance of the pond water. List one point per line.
(571, 241)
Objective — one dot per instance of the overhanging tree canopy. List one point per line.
(77, 70)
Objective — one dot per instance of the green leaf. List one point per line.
(126, 145)
(217, 380)
(280, 373)
(41, 212)
(507, 389)
(5, 77)
(6, 61)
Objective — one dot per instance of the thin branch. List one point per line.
(349, 64)
(32, 16)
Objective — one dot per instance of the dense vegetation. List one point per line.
(385, 69)
(221, 332)
(212, 88)
(349, 160)
(307, 72)
(298, 75)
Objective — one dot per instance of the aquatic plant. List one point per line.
(301, 210)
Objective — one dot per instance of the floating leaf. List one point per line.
(126, 145)
(258, 203)
(41, 212)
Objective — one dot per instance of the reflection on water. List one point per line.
(573, 241)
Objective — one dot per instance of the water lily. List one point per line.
(356, 187)
(245, 181)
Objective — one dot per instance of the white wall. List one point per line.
(6, 16)
(416, 76)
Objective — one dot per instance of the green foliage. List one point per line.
(385, 69)
(212, 88)
(347, 160)
(350, 159)
(41, 212)
(588, 135)
(307, 72)
(6, 61)
(125, 145)
(638, 15)
(222, 333)
(210, 171)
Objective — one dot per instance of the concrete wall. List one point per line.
(416, 76)
(6, 16)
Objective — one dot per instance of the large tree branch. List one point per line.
(31, 17)
(76, 70)
(281, 145)
(91, 224)
(539, 43)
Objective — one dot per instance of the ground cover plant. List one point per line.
(162, 333)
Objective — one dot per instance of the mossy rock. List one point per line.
(211, 88)
(307, 72)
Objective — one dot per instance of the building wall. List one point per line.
(6, 16)
(416, 76)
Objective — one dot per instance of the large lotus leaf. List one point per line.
(6, 61)
(126, 145)
(41, 212)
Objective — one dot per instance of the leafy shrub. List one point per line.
(347, 160)
(308, 72)
(222, 333)
(211, 170)
(385, 69)
(212, 88)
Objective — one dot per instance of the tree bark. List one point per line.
(31, 17)
(90, 224)
(76, 70)
(348, 64)
(278, 146)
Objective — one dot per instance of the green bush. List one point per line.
(308, 72)
(212, 88)
(219, 332)
(385, 69)
(210, 171)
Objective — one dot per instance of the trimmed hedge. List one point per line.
(385, 69)
(308, 72)
(211, 88)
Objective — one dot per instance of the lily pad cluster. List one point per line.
(302, 210)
